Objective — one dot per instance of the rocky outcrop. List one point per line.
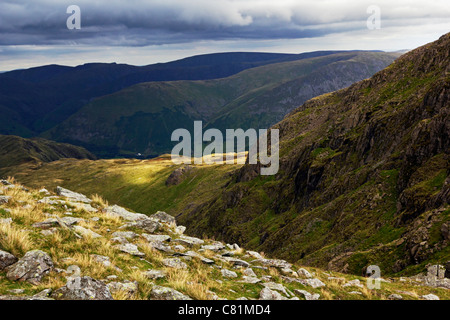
(379, 146)
(6, 259)
(83, 288)
(32, 267)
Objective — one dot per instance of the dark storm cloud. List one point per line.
(140, 23)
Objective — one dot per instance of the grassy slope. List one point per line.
(137, 184)
(15, 151)
(198, 281)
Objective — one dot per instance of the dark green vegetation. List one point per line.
(15, 151)
(141, 118)
(364, 176)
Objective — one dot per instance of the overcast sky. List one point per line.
(34, 32)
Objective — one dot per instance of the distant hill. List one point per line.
(16, 150)
(36, 99)
(141, 118)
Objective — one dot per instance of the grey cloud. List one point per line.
(141, 23)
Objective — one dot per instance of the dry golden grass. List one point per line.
(98, 201)
(325, 294)
(52, 281)
(15, 240)
(188, 283)
(153, 256)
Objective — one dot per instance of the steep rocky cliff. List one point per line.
(364, 176)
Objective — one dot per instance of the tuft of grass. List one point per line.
(15, 240)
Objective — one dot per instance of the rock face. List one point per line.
(83, 288)
(348, 152)
(6, 259)
(177, 176)
(164, 293)
(32, 267)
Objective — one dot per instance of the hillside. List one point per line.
(364, 176)
(36, 99)
(67, 246)
(141, 118)
(15, 151)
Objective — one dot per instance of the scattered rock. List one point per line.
(315, 283)
(130, 288)
(125, 234)
(86, 232)
(120, 240)
(156, 237)
(130, 249)
(174, 263)
(6, 221)
(249, 272)
(158, 245)
(353, 283)
(304, 273)
(83, 288)
(255, 254)
(237, 262)
(78, 197)
(155, 274)
(47, 224)
(430, 297)
(4, 199)
(164, 293)
(163, 217)
(189, 241)
(32, 267)
(267, 294)
(395, 297)
(276, 286)
(6, 259)
(105, 261)
(117, 211)
(228, 274)
(146, 224)
(307, 295)
(274, 263)
(247, 279)
(180, 229)
(214, 247)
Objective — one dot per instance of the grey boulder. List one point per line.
(83, 288)
(6, 259)
(32, 267)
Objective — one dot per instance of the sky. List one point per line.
(141, 32)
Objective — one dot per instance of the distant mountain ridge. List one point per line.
(141, 118)
(36, 99)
